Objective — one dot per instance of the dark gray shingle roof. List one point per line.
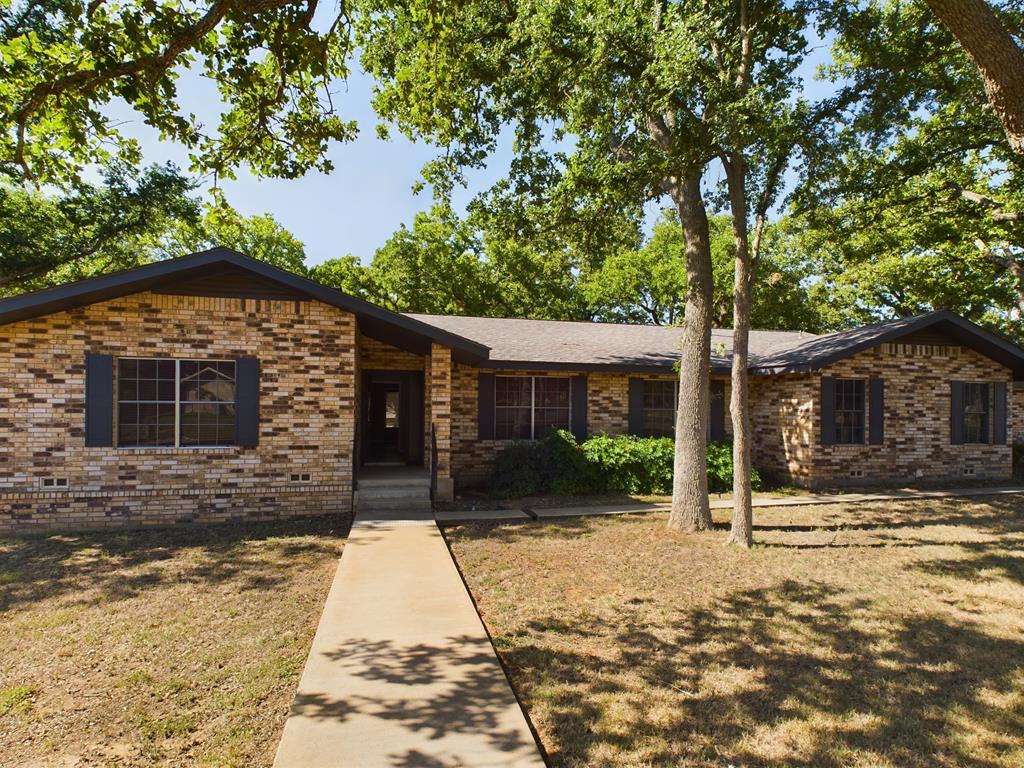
(590, 344)
(557, 343)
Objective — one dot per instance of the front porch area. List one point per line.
(403, 440)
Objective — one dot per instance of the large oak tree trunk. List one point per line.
(691, 510)
(997, 55)
(742, 516)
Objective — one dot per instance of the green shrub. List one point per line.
(624, 464)
(1018, 459)
(555, 464)
(629, 464)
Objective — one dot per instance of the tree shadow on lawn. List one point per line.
(778, 676)
(118, 565)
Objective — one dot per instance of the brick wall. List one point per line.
(786, 420)
(917, 447)
(607, 412)
(307, 354)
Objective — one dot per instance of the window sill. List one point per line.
(175, 448)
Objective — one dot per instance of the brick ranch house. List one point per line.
(216, 387)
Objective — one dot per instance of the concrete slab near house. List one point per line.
(401, 671)
(803, 500)
(451, 516)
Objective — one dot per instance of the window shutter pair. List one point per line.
(99, 401)
(485, 406)
(876, 410)
(997, 433)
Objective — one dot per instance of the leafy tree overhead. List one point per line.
(995, 50)
(646, 285)
(918, 203)
(47, 239)
(272, 61)
(127, 219)
(259, 236)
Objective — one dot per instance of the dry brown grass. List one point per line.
(878, 635)
(162, 647)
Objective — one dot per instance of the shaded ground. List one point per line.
(172, 647)
(889, 634)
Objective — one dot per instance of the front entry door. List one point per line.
(385, 399)
(393, 417)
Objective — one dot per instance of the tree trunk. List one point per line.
(742, 515)
(691, 510)
(998, 57)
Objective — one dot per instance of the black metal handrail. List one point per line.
(433, 461)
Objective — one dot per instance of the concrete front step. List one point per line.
(395, 492)
(379, 499)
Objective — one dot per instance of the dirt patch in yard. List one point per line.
(889, 634)
(178, 646)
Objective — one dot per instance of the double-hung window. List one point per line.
(849, 411)
(175, 402)
(527, 407)
(975, 413)
(660, 407)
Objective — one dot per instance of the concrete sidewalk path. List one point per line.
(401, 672)
(454, 517)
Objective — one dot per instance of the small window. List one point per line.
(849, 411)
(175, 402)
(527, 407)
(975, 413)
(660, 408)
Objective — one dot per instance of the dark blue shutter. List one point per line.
(578, 410)
(99, 400)
(716, 426)
(247, 402)
(956, 412)
(636, 406)
(999, 413)
(828, 410)
(485, 406)
(876, 427)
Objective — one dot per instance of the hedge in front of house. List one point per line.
(602, 464)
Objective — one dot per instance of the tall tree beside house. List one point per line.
(609, 108)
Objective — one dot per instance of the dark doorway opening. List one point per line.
(392, 417)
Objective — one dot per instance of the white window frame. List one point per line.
(177, 402)
(533, 406)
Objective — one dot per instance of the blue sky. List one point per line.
(352, 210)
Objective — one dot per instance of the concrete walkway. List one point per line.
(401, 672)
(455, 517)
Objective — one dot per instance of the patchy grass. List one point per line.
(889, 634)
(174, 646)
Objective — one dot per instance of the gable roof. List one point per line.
(820, 351)
(199, 268)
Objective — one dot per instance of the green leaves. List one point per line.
(62, 62)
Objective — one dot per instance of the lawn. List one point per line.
(172, 647)
(879, 635)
